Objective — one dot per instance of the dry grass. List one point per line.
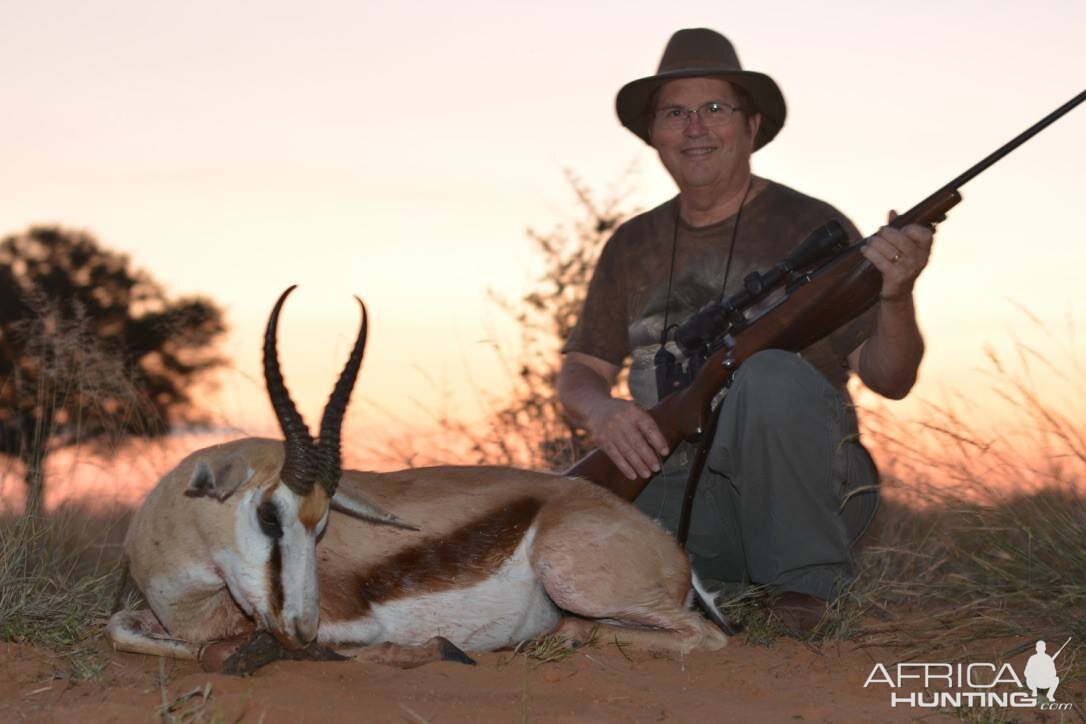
(954, 581)
(984, 532)
(552, 648)
(981, 536)
(942, 580)
(60, 571)
(59, 576)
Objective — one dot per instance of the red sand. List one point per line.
(787, 682)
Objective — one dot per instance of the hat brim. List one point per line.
(632, 100)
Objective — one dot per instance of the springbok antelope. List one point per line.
(239, 537)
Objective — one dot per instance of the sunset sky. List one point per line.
(399, 151)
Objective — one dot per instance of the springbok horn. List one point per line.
(298, 471)
(328, 448)
(332, 421)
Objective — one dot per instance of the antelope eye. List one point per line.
(268, 517)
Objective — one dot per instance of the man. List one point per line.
(787, 487)
(1041, 672)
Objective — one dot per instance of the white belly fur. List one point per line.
(508, 607)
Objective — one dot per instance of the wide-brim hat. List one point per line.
(694, 53)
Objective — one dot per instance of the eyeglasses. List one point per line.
(713, 113)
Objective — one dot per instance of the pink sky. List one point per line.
(399, 152)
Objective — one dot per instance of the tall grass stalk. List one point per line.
(982, 534)
(59, 575)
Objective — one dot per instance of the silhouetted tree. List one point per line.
(91, 350)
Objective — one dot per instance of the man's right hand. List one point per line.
(629, 436)
(621, 428)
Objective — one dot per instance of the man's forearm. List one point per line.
(581, 389)
(621, 428)
(891, 357)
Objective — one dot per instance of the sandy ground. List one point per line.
(742, 683)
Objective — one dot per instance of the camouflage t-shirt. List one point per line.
(624, 310)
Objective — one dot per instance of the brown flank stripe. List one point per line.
(465, 556)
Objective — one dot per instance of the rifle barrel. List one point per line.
(1006, 148)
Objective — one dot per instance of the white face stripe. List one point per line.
(243, 565)
(298, 566)
(252, 576)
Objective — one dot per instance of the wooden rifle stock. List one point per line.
(826, 299)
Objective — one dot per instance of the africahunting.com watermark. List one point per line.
(984, 684)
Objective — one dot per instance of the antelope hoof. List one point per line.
(451, 652)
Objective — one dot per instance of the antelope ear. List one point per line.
(219, 483)
(359, 506)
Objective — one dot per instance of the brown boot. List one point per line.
(800, 613)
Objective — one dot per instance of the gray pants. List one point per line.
(787, 487)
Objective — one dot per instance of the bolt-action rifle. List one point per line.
(822, 285)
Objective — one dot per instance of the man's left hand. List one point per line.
(900, 254)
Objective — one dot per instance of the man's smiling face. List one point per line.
(698, 155)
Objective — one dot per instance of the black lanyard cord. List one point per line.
(727, 264)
